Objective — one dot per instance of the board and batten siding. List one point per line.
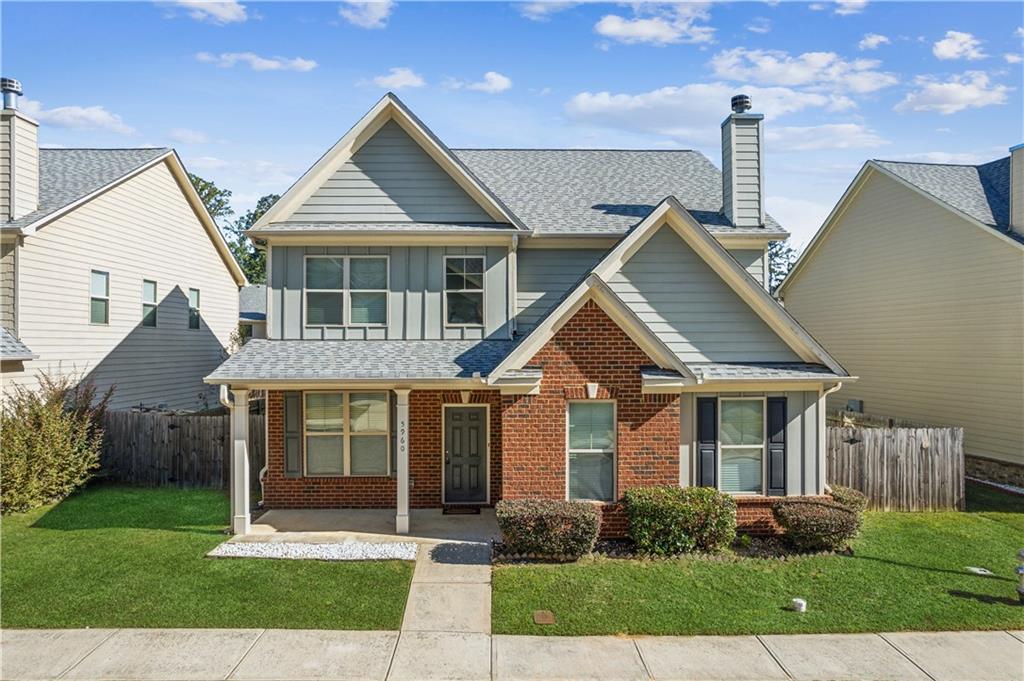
(545, 275)
(8, 286)
(927, 310)
(688, 305)
(416, 289)
(390, 179)
(143, 228)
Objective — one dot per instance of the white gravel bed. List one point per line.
(1000, 485)
(347, 550)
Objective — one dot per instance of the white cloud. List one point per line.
(492, 83)
(968, 90)
(542, 11)
(256, 62)
(760, 25)
(1019, 32)
(371, 14)
(399, 77)
(188, 136)
(818, 137)
(659, 25)
(958, 45)
(77, 117)
(801, 217)
(206, 163)
(871, 41)
(825, 70)
(213, 12)
(1013, 58)
(847, 7)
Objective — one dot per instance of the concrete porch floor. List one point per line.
(426, 526)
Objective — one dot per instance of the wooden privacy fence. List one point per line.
(181, 450)
(899, 469)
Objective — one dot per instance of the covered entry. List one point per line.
(466, 461)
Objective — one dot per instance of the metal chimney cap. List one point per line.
(12, 85)
(741, 103)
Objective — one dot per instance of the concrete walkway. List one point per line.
(424, 654)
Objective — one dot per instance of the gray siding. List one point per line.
(390, 179)
(415, 307)
(752, 260)
(545, 275)
(741, 171)
(1017, 190)
(8, 286)
(691, 308)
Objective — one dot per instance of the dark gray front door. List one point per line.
(465, 455)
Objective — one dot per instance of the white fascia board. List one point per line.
(344, 383)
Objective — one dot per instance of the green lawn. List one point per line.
(114, 556)
(908, 571)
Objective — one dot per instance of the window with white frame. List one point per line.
(193, 308)
(368, 291)
(325, 291)
(742, 442)
(346, 290)
(464, 290)
(347, 433)
(148, 302)
(591, 455)
(99, 297)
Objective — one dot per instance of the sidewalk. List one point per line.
(206, 654)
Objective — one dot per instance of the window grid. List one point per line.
(101, 298)
(382, 291)
(149, 307)
(344, 292)
(762, 448)
(611, 449)
(465, 289)
(346, 433)
(193, 308)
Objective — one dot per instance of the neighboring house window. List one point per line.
(368, 291)
(464, 290)
(99, 300)
(193, 308)
(347, 433)
(741, 439)
(591, 450)
(325, 295)
(148, 303)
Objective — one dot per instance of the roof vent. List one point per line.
(11, 89)
(741, 103)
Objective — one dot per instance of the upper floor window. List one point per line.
(741, 437)
(464, 290)
(193, 308)
(346, 290)
(591, 455)
(99, 297)
(148, 302)
(368, 291)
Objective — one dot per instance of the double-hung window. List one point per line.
(464, 290)
(325, 290)
(346, 290)
(99, 297)
(148, 302)
(742, 441)
(368, 291)
(347, 433)
(591, 450)
(193, 308)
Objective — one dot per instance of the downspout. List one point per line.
(822, 440)
(225, 399)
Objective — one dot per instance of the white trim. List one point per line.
(92, 297)
(482, 291)
(269, 298)
(155, 304)
(614, 450)
(345, 292)
(346, 435)
(444, 455)
(763, 446)
(198, 308)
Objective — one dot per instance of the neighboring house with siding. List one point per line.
(916, 283)
(459, 326)
(111, 270)
(252, 311)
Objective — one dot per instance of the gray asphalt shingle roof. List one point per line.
(575, 191)
(717, 371)
(981, 191)
(11, 348)
(252, 302)
(66, 175)
(261, 359)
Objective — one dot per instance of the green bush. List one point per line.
(548, 527)
(816, 524)
(853, 499)
(667, 521)
(50, 441)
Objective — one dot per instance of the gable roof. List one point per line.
(252, 303)
(603, 191)
(388, 108)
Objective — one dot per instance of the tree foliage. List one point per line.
(781, 257)
(216, 200)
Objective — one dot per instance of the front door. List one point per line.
(465, 455)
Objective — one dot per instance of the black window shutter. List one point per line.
(776, 446)
(707, 441)
(293, 434)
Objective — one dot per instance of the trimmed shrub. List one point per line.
(853, 499)
(548, 527)
(816, 524)
(669, 520)
(50, 441)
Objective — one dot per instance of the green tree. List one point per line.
(781, 257)
(252, 260)
(216, 200)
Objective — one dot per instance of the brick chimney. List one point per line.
(19, 156)
(742, 169)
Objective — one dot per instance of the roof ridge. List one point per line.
(935, 163)
(105, 148)
(690, 151)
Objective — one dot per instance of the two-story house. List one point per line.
(459, 326)
(111, 270)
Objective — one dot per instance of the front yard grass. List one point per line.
(908, 572)
(113, 556)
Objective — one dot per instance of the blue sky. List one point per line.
(253, 93)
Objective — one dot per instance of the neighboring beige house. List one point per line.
(111, 270)
(916, 284)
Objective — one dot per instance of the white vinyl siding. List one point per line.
(19, 150)
(591, 450)
(9, 286)
(926, 309)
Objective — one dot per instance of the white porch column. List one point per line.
(240, 462)
(402, 439)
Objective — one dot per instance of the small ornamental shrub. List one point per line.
(816, 524)
(670, 520)
(548, 527)
(50, 441)
(853, 499)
